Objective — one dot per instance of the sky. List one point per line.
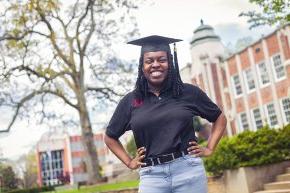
(172, 18)
(179, 18)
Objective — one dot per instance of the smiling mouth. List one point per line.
(156, 73)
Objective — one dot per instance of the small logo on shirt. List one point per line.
(137, 102)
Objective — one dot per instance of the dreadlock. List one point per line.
(173, 80)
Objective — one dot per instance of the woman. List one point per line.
(160, 113)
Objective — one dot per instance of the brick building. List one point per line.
(61, 154)
(256, 83)
(252, 86)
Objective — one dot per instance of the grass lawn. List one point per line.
(102, 187)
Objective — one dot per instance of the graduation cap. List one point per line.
(154, 43)
(157, 43)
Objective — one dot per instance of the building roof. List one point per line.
(204, 33)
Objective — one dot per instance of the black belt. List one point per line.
(161, 159)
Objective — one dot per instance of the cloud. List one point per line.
(231, 32)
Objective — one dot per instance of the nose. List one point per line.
(155, 64)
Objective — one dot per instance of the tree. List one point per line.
(131, 147)
(274, 12)
(9, 179)
(56, 56)
(28, 166)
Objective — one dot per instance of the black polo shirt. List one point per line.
(162, 124)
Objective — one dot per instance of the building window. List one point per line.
(237, 84)
(272, 117)
(257, 118)
(278, 67)
(51, 167)
(244, 121)
(249, 77)
(286, 109)
(263, 74)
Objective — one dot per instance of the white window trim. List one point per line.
(241, 124)
(268, 116)
(282, 110)
(259, 75)
(274, 70)
(233, 85)
(246, 81)
(253, 118)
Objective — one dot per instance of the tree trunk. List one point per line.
(91, 159)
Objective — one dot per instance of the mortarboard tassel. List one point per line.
(176, 62)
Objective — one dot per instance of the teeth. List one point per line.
(157, 73)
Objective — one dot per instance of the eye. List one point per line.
(162, 60)
(148, 61)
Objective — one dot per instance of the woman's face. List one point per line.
(155, 68)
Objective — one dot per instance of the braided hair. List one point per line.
(173, 79)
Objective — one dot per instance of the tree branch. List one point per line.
(59, 94)
(18, 106)
(92, 29)
(105, 91)
(10, 37)
(68, 38)
(79, 24)
(73, 13)
(32, 95)
(52, 38)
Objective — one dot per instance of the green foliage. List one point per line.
(33, 190)
(131, 147)
(8, 177)
(250, 148)
(273, 12)
(29, 170)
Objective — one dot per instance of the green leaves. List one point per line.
(9, 178)
(45, 71)
(273, 12)
(131, 147)
(250, 148)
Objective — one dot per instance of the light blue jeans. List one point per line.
(183, 175)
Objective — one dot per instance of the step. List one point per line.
(283, 177)
(277, 185)
(274, 191)
(288, 170)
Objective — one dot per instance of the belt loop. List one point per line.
(172, 154)
(158, 160)
(183, 154)
(152, 162)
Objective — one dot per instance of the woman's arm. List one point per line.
(217, 131)
(117, 148)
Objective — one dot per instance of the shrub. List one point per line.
(250, 148)
(33, 190)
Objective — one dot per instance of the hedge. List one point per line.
(33, 190)
(250, 148)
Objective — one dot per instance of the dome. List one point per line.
(203, 33)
